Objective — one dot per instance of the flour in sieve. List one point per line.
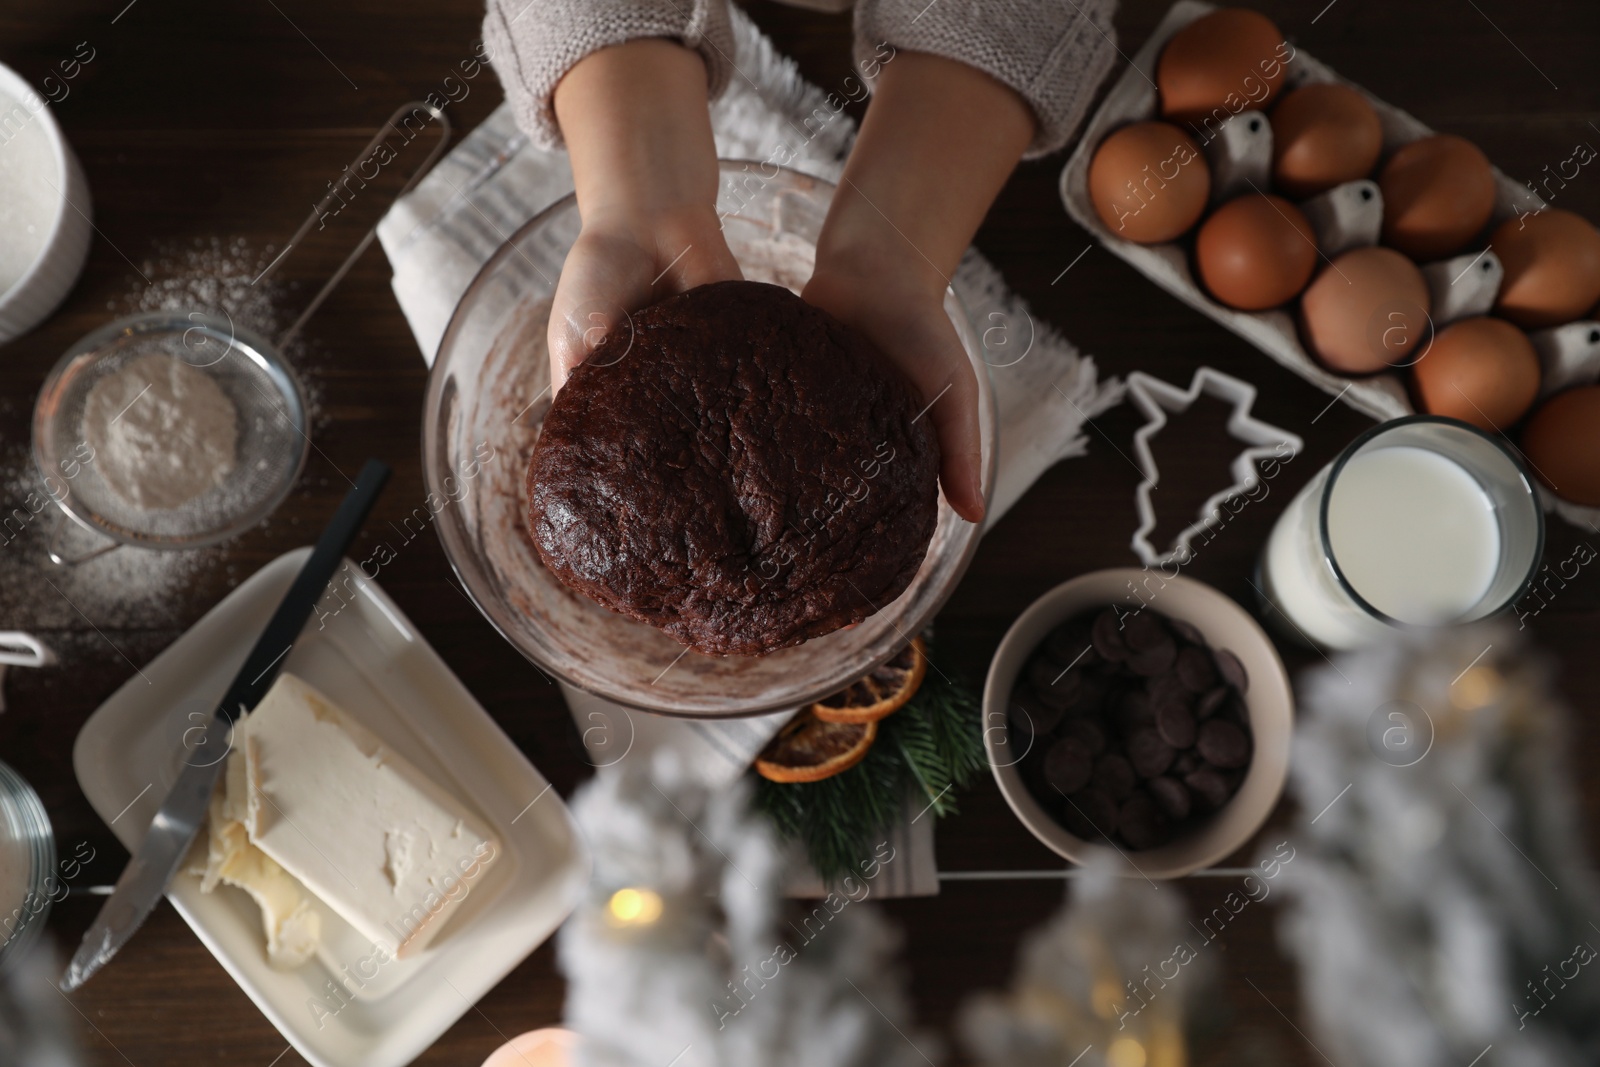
(162, 431)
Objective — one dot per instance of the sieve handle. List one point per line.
(410, 107)
(20, 649)
(58, 555)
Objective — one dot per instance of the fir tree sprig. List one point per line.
(924, 753)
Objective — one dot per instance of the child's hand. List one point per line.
(887, 297)
(620, 264)
(939, 140)
(635, 120)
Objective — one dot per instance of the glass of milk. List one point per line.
(1423, 521)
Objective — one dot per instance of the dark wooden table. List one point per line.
(196, 121)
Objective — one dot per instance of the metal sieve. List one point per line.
(270, 448)
(269, 405)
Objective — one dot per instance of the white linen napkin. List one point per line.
(494, 181)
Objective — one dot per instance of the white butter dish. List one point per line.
(351, 1006)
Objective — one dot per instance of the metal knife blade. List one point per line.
(173, 830)
(149, 872)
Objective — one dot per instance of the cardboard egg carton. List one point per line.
(1345, 217)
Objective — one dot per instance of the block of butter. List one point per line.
(292, 925)
(350, 820)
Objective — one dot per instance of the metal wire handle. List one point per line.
(408, 108)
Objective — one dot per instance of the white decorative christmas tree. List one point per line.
(1106, 983)
(1441, 902)
(682, 954)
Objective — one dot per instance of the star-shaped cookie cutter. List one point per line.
(1155, 398)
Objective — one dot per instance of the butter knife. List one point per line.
(172, 831)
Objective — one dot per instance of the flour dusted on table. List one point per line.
(226, 277)
(163, 432)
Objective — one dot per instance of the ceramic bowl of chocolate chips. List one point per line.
(1131, 711)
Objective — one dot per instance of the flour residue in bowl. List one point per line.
(162, 430)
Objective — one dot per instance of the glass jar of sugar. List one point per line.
(27, 866)
(1422, 521)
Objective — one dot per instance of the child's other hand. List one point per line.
(637, 128)
(938, 141)
(901, 310)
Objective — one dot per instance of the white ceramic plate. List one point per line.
(363, 652)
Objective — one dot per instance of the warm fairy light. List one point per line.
(1125, 1052)
(1474, 689)
(634, 907)
(1165, 1045)
(1106, 998)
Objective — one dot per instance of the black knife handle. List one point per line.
(261, 667)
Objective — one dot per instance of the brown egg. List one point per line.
(1366, 311)
(1437, 195)
(1552, 263)
(1323, 135)
(1149, 182)
(1562, 443)
(1256, 252)
(1219, 65)
(1480, 370)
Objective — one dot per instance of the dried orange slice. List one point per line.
(809, 750)
(881, 691)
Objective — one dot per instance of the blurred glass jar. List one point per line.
(27, 865)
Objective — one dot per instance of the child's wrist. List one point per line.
(638, 130)
(869, 249)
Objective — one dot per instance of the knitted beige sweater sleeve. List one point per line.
(1052, 52)
(533, 43)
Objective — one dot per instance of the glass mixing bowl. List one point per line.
(487, 397)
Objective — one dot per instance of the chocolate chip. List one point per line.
(1065, 644)
(1209, 787)
(1187, 763)
(1056, 686)
(1149, 754)
(1086, 730)
(1176, 725)
(1067, 766)
(1090, 813)
(1107, 637)
(1235, 711)
(1172, 795)
(1095, 694)
(1029, 714)
(1114, 774)
(1223, 744)
(1134, 711)
(1186, 631)
(1196, 670)
(1142, 823)
(1232, 670)
(1144, 630)
(1166, 689)
(1211, 701)
(1156, 659)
